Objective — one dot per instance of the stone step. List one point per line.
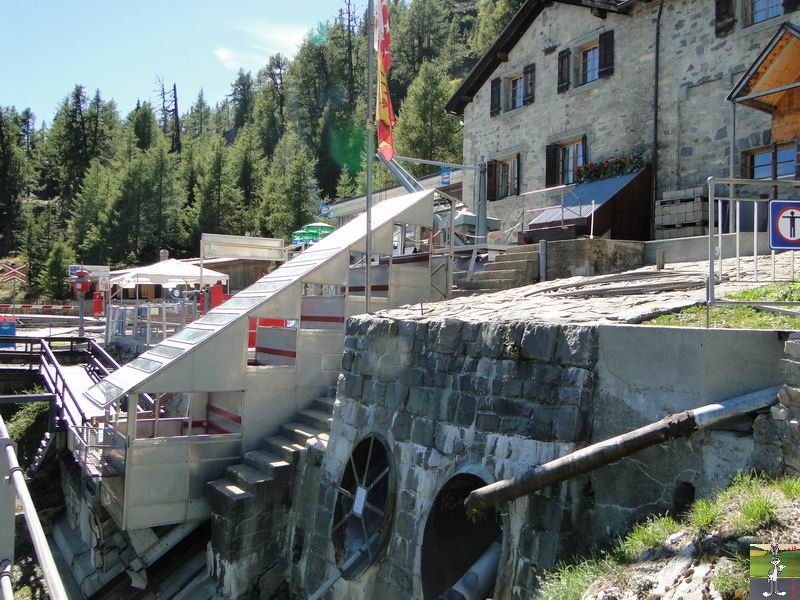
(282, 447)
(227, 498)
(509, 265)
(248, 478)
(523, 249)
(324, 404)
(489, 285)
(316, 418)
(512, 274)
(301, 432)
(515, 256)
(265, 461)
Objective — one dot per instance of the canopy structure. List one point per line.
(169, 273)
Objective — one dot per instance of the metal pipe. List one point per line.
(710, 282)
(654, 151)
(349, 563)
(763, 93)
(755, 241)
(370, 147)
(719, 235)
(603, 453)
(46, 562)
(6, 589)
(436, 163)
(478, 581)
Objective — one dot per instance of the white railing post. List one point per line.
(7, 502)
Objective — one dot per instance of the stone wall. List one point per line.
(495, 399)
(616, 113)
(568, 258)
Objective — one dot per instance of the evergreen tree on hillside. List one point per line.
(88, 222)
(13, 180)
(35, 243)
(163, 212)
(289, 196)
(267, 119)
(243, 98)
(418, 37)
(423, 129)
(197, 122)
(53, 279)
(493, 16)
(144, 125)
(218, 199)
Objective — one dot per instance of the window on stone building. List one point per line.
(779, 161)
(503, 177)
(516, 92)
(590, 64)
(572, 155)
(762, 10)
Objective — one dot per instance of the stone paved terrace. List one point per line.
(628, 297)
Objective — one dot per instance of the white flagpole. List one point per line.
(370, 146)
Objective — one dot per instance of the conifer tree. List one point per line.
(53, 279)
(13, 180)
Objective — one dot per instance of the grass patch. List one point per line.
(647, 536)
(740, 317)
(26, 427)
(757, 512)
(732, 582)
(789, 487)
(569, 582)
(706, 514)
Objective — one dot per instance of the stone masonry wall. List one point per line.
(697, 72)
(451, 397)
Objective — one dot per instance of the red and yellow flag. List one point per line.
(384, 111)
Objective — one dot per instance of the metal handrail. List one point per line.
(49, 360)
(46, 561)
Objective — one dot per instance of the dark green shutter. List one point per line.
(495, 107)
(797, 160)
(518, 178)
(564, 70)
(606, 44)
(491, 180)
(551, 165)
(725, 17)
(529, 78)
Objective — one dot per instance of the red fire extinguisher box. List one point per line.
(97, 304)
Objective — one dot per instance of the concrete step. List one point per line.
(202, 588)
(301, 432)
(489, 285)
(77, 556)
(316, 418)
(324, 404)
(248, 478)
(265, 461)
(523, 249)
(227, 498)
(519, 265)
(282, 447)
(512, 274)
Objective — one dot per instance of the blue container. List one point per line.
(8, 328)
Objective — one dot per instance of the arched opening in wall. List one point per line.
(454, 544)
(363, 512)
(682, 497)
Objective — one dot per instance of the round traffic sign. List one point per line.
(787, 224)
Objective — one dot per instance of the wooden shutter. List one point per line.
(725, 16)
(551, 165)
(563, 70)
(790, 6)
(495, 108)
(518, 176)
(529, 78)
(491, 180)
(797, 160)
(606, 53)
(584, 141)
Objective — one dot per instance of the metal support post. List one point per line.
(542, 260)
(370, 147)
(710, 282)
(82, 313)
(7, 501)
(480, 208)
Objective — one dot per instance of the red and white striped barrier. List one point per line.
(38, 308)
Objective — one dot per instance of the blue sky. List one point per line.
(119, 46)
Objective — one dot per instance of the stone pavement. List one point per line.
(629, 297)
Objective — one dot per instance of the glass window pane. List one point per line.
(242, 302)
(786, 154)
(763, 172)
(191, 335)
(105, 391)
(145, 364)
(166, 351)
(762, 158)
(215, 318)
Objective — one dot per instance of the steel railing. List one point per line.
(46, 562)
(749, 191)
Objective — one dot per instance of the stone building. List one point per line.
(575, 82)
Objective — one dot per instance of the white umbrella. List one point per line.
(168, 273)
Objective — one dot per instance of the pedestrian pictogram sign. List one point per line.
(784, 225)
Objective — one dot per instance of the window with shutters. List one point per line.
(503, 177)
(590, 64)
(571, 157)
(516, 92)
(762, 10)
(494, 108)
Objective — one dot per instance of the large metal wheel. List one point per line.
(363, 512)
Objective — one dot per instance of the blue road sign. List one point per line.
(324, 210)
(784, 225)
(445, 173)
